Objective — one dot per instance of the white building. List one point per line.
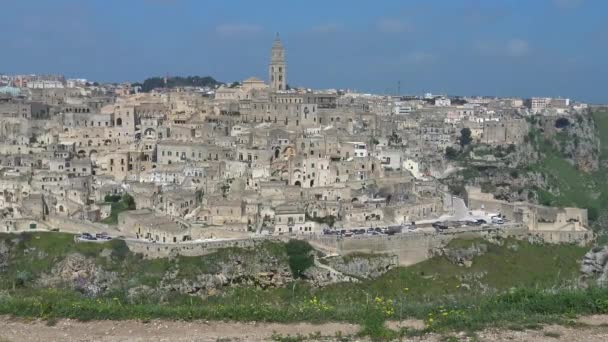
(443, 102)
(538, 104)
(44, 84)
(359, 149)
(402, 108)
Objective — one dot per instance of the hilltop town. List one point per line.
(182, 164)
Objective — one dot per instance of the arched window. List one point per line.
(119, 122)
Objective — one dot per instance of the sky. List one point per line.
(458, 47)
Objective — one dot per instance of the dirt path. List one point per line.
(593, 328)
(18, 330)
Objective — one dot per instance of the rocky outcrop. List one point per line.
(4, 255)
(576, 138)
(594, 266)
(363, 266)
(322, 275)
(263, 272)
(80, 273)
(462, 256)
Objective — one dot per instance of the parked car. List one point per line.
(438, 226)
(87, 237)
(103, 236)
(497, 220)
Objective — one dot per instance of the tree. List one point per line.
(128, 201)
(465, 137)
(451, 153)
(178, 81)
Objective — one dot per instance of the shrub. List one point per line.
(112, 198)
(451, 153)
(129, 201)
(300, 257)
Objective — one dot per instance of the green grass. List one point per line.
(516, 309)
(425, 290)
(568, 186)
(601, 122)
(36, 253)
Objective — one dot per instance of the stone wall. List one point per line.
(67, 225)
(12, 225)
(409, 248)
(161, 250)
(581, 238)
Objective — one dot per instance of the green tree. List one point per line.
(300, 257)
(465, 137)
(451, 153)
(129, 201)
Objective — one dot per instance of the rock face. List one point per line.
(576, 138)
(4, 254)
(595, 266)
(263, 272)
(82, 274)
(322, 275)
(462, 256)
(366, 266)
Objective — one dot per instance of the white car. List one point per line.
(497, 220)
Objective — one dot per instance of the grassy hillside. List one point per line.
(569, 186)
(491, 291)
(600, 117)
(34, 255)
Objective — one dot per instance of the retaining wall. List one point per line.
(410, 248)
(163, 250)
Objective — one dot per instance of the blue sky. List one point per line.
(467, 47)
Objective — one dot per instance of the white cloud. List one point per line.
(389, 25)
(237, 29)
(327, 28)
(568, 4)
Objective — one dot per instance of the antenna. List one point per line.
(399, 88)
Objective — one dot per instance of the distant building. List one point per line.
(443, 102)
(277, 70)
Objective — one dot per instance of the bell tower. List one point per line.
(277, 69)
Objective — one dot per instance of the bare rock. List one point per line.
(594, 266)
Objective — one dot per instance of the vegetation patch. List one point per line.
(300, 256)
(513, 284)
(119, 204)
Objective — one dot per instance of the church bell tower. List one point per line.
(277, 70)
